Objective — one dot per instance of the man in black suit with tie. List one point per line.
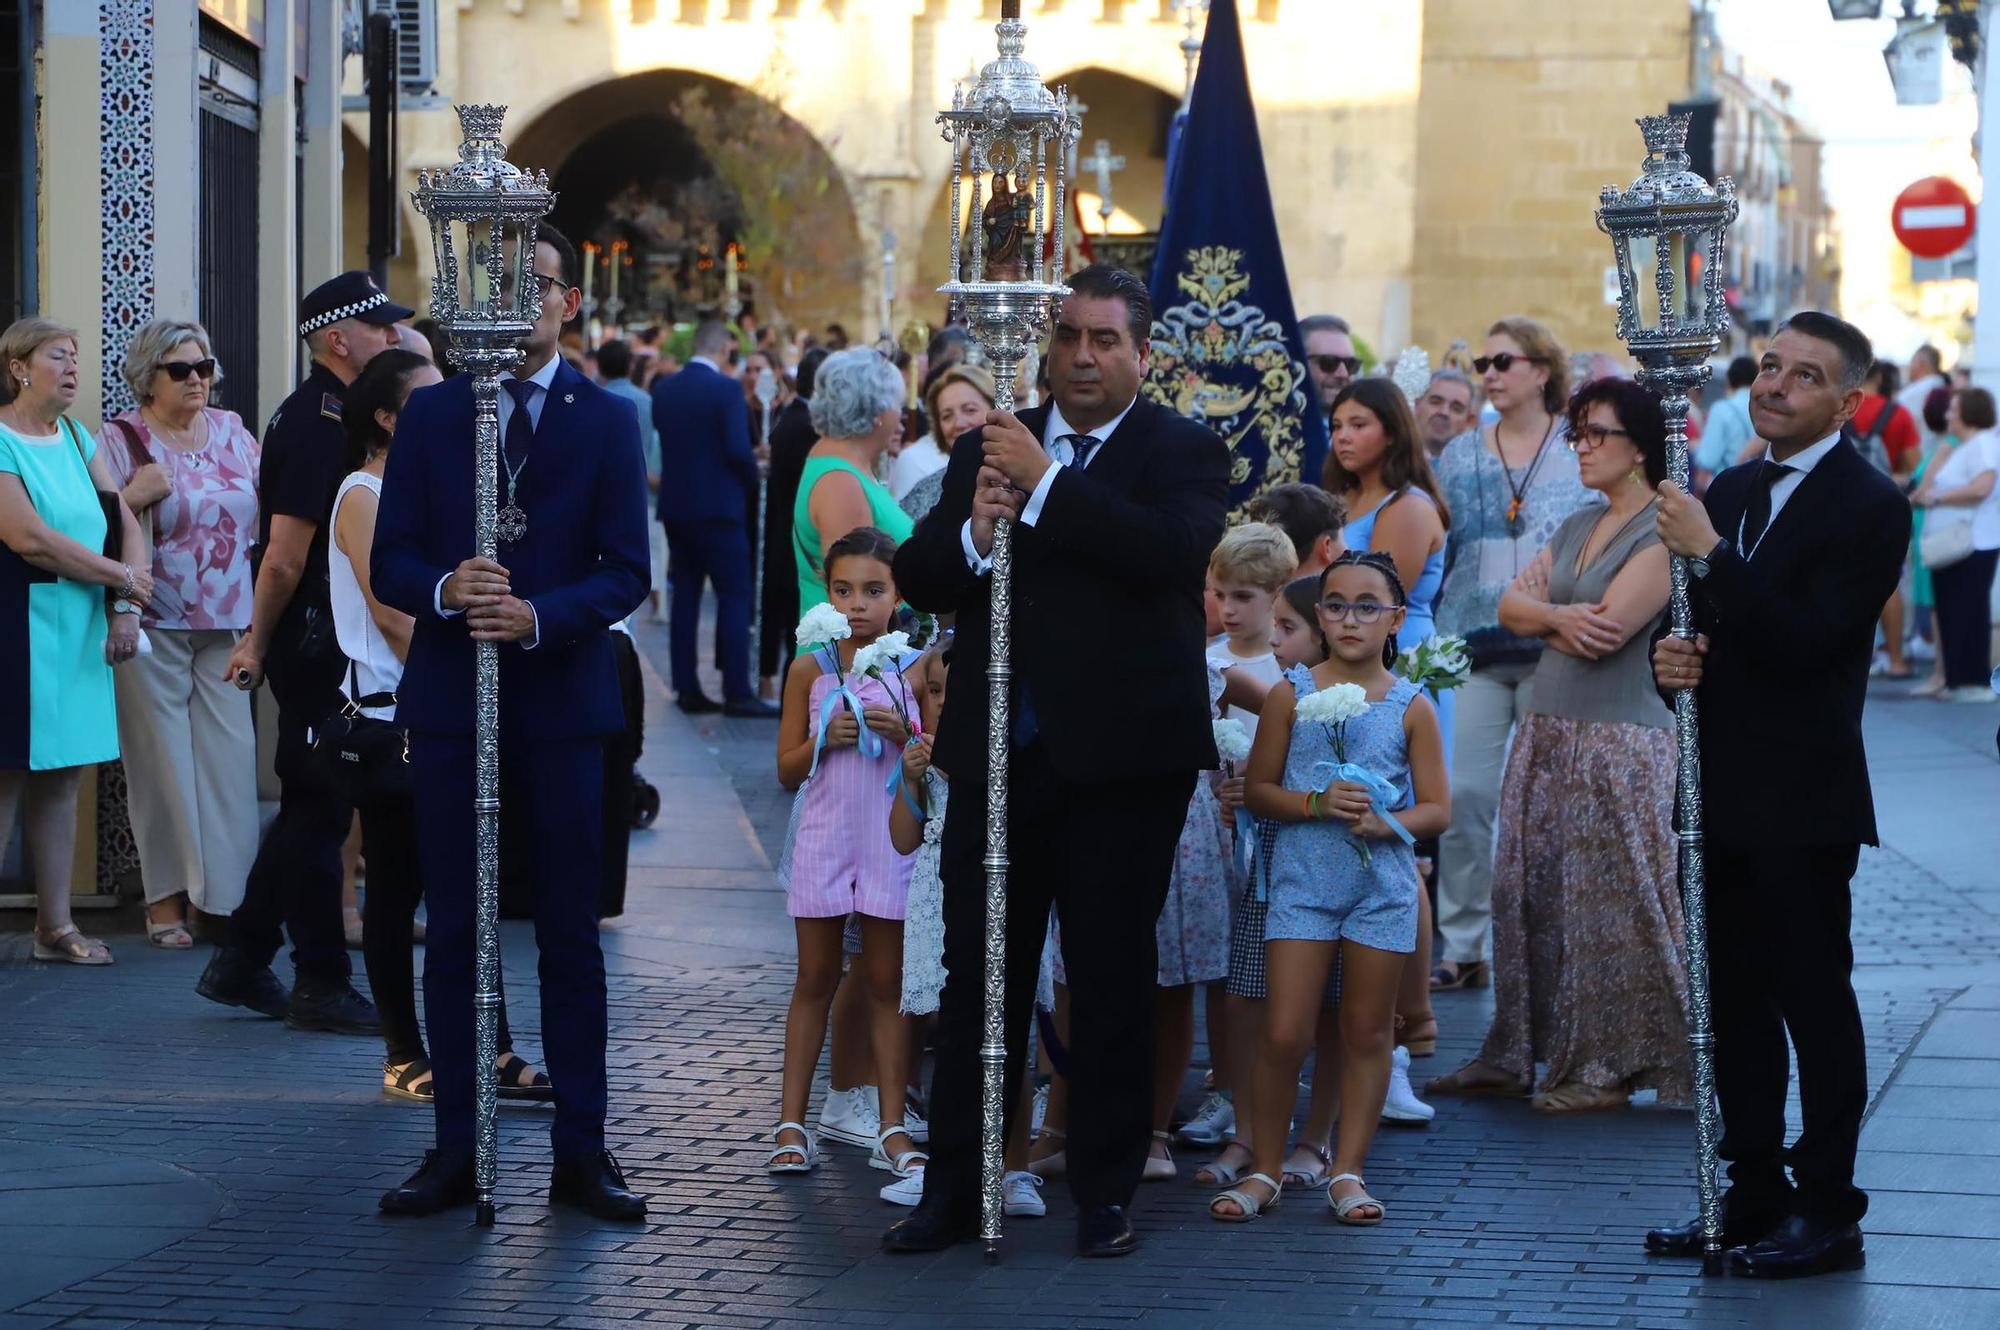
(1792, 556)
(1118, 503)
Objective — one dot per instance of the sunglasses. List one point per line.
(178, 370)
(1363, 611)
(1502, 362)
(1328, 364)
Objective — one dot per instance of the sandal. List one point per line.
(905, 1162)
(1344, 1206)
(1159, 1168)
(409, 1080)
(1316, 1177)
(1450, 976)
(808, 1154)
(519, 1079)
(170, 937)
(1463, 1083)
(1248, 1207)
(1572, 1097)
(1419, 1037)
(1052, 1165)
(1219, 1173)
(71, 947)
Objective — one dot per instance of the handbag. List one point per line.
(137, 454)
(1945, 543)
(108, 500)
(365, 759)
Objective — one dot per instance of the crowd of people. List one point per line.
(1412, 705)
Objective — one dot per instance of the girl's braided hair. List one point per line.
(1384, 565)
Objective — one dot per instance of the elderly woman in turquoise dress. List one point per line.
(58, 645)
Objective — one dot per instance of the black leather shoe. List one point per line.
(595, 1185)
(1800, 1247)
(697, 704)
(749, 708)
(929, 1228)
(234, 982)
(1105, 1231)
(1685, 1239)
(438, 1184)
(336, 1010)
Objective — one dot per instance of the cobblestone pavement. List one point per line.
(167, 1162)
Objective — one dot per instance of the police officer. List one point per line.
(296, 879)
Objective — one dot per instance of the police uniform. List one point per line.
(296, 879)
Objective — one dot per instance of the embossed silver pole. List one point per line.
(1667, 231)
(767, 393)
(1008, 128)
(483, 213)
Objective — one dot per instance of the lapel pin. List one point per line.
(569, 397)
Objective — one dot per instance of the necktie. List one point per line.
(1757, 512)
(520, 426)
(1081, 448)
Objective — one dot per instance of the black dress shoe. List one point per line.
(595, 1185)
(1800, 1247)
(234, 982)
(929, 1228)
(1105, 1231)
(438, 1184)
(335, 1010)
(697, 704)
(749, 708)
(1685, 1239)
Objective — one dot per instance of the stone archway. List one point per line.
(679, 165)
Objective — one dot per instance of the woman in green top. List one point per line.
(857, 409)
(58, 716)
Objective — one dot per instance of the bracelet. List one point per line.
(125, 591)
(1312, 806)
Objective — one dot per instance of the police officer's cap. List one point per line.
(352, 295)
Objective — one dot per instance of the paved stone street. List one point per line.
(164, 1161)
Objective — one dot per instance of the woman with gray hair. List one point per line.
(857, 410)
(189, 471)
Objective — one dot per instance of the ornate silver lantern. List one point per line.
(483, 214)
(1667, 233)
(1010, 136)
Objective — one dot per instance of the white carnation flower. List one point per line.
(1232, 740)
(822, 623)
(1333, 706)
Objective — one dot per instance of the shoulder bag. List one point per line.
(1945, 543)
(367, 760)
(109, 501)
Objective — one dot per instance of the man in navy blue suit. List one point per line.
(707, 474)
(573, 471)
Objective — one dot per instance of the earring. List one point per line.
(1635, 477)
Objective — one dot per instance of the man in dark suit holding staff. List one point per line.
(1117, 503)
(1791, 558)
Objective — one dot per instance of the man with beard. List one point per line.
(1330, 356)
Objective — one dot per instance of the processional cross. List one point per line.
(1104, 163)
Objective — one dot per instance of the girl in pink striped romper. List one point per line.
(840, 744)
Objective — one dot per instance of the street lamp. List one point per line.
(1010, 125)
(1666, 232)
(483, 213)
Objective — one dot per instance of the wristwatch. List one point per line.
(123, 606)
(1699, 567)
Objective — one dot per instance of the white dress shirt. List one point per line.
(1799, 465)
(541, 378)
(1052, 435)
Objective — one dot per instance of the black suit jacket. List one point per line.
(1108, 625)
(1791, 634)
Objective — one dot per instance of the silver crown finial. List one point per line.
(1666, 140)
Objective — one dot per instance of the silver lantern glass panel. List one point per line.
(484, 213)
(1010, 135)
(1667, 232)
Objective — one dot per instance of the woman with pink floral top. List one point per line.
(189, 471)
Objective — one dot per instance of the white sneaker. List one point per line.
(1972, 693)
(909, 1190)
(914, 1126)
(1213, 1122)
(1918, 649)
(1402, 1107)
(1020, 1194)
(851, 1117)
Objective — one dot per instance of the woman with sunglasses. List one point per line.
(1586, 901)
(1509, 485)
(189, 471)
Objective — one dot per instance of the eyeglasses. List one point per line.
(1362, 611)
(178, 370)
(1502, 362)
(1328, 364)
(543, 283)
(1592, 437)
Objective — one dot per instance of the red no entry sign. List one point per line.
(1933, 217)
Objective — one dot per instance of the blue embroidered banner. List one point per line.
(1226, 346)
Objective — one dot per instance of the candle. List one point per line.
(617, 248)
(589, 268)
(729, 277)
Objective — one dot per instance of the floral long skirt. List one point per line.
(1590, 971)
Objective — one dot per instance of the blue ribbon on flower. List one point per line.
(1380, 792)
(897, 785)
(869, 742)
